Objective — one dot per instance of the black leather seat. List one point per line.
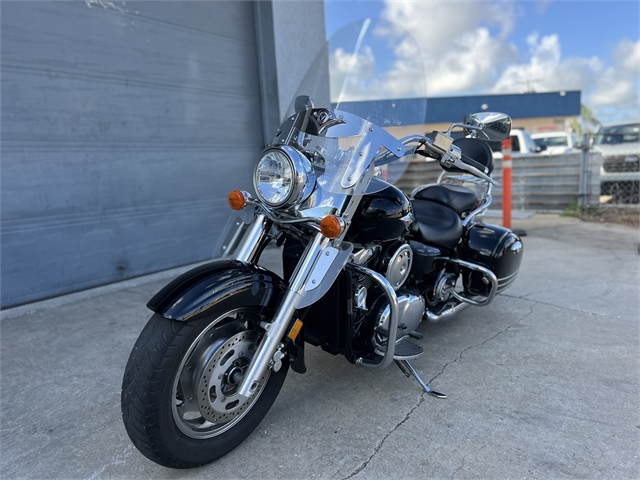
(436, 224)
(461, 199)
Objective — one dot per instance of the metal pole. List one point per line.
(584, 173)
(506, 182)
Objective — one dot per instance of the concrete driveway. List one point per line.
(543, 383)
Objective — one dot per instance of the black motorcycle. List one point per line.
(362, 265)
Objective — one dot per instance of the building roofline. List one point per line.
(565, 103)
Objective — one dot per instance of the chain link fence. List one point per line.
(540, 183)
(619, 173)
(603, 174)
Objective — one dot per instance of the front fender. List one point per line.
(194, 293)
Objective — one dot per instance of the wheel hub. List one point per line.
(218, 400)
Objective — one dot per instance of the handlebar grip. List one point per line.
(473, 163)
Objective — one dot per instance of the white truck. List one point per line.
(521, 144)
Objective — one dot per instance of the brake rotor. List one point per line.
(218, 400)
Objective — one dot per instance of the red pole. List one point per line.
(506, 182)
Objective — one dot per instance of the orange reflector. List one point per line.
(295, 330)
(237, 200)
(330, 226)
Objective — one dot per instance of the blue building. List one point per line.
(534, 112)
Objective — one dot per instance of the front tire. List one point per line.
(179, 402)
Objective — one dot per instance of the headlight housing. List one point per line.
(283, 177)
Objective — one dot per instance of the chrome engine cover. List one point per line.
(411, 309)
(399, 266)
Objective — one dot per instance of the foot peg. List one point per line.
(408, 370)
(406, 350)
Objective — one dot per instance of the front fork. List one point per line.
(248, 252)
(254, 238)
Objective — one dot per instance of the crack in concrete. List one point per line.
(379, 445)
(552, 289)
(560, 306)
(453, 475)
(485, 341)
(364, 464)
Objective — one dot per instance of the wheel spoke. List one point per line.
(215, 363)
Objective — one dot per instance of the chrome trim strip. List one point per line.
(510, 278)
(408, 219)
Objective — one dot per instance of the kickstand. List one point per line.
(408, 370)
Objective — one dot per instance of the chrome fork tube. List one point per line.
(249, 247)
(276, 329)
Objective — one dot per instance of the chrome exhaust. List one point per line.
(447, 311)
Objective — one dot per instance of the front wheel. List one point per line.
(179, 393)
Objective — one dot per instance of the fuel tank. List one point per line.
(378, 217)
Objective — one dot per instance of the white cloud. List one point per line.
(542, 5)
(354, 76)
(616, 90)
(465, 50)
(458, 49)
(545, 69)
(610, 91)
(351, 74)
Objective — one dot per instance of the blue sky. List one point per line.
(592, 46)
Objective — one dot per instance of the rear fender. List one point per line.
(194, 293)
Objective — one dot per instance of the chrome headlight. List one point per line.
(283, 177)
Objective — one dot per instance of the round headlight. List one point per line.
(273, 177)
(283, 177)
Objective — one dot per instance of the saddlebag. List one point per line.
(496, 248)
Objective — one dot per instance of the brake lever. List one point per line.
(457, 162)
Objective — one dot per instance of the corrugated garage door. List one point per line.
(124, 126)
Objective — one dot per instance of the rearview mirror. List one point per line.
(491, 126)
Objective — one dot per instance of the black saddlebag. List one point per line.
(496, 248)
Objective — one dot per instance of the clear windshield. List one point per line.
(370, 79)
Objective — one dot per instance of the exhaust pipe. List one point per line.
(447, 312)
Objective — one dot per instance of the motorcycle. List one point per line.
(363, 265)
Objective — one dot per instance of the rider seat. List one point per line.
(436, 224)
(461, 199)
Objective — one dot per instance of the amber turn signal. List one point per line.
(331, 226)
(237, 200)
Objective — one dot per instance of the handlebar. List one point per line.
(473, 167)
(440, 146)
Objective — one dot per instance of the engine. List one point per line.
(395, 264)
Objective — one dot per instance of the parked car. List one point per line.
(556, 143)
(521, 144)
(619, 145)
